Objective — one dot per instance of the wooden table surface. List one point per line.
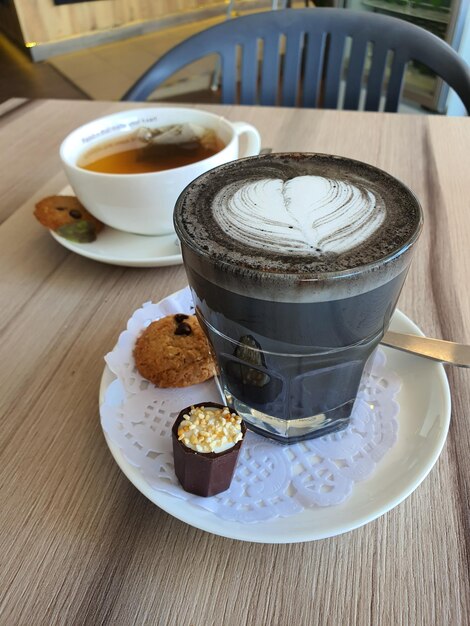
(78, 543)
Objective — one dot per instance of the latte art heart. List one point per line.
(306, 215)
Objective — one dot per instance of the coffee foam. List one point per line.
(306, 215)
(253, 253)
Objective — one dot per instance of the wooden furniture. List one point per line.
(78, 543)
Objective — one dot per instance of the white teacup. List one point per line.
(143, 203)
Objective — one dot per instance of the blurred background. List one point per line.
(96, 49)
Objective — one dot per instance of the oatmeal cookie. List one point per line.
(174, 352)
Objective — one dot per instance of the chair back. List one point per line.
(297, 57)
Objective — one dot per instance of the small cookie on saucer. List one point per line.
(68, 217)
(174, 352)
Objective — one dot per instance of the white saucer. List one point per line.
(119, 248)
(423, 424)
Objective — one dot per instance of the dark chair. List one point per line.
(310, 70)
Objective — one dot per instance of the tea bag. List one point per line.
(187, 135)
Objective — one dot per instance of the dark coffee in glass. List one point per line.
(295, 262)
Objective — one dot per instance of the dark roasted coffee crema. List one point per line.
(297, 214)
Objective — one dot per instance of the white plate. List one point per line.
(119, 248)
(423, 424)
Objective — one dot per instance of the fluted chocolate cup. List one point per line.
(204, 473)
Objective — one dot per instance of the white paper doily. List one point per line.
(271, 480)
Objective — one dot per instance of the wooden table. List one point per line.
(78, 543)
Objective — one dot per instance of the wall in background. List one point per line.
(43, 22)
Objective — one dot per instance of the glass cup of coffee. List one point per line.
(295, 262)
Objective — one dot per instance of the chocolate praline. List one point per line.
(204, 473)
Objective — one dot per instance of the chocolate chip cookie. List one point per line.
(174, 352)
(68, 217)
